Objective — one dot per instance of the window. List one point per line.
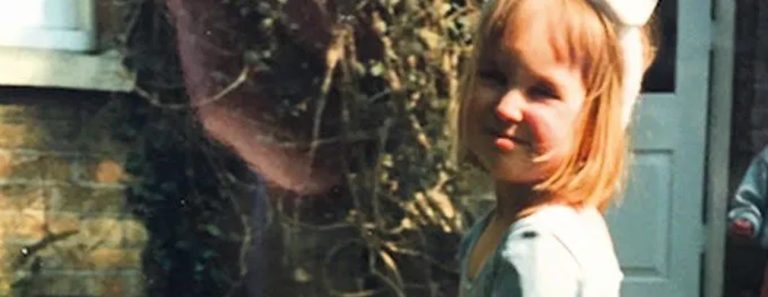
(48, 24)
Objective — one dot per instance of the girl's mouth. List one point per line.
(506, 142)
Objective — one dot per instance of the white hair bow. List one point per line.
(630, 15)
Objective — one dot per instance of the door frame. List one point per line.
(718, 145)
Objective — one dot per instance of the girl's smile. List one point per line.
(506, 139)
(524, 105)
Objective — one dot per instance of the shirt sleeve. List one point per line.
(749, 201)
(536, 264)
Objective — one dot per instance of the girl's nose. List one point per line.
(510, 107)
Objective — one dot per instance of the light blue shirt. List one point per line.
(749, 203)
(558, 251)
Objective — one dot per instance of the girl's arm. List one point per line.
(749, 203)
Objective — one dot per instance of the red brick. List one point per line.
(18, 197)
(104, 170)
(22, 226)
(85, 284)
(44, 135)
(15, 165)
(114, 232)
(88, 200)
(75, 258)
(112, 258)
(60, 223)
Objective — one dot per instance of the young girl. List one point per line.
(544, 111)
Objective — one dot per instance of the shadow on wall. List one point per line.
(65, 229)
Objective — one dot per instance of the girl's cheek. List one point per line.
(546, 130)
(482, 102)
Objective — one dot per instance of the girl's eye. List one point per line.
(542, 91)
(493, 77)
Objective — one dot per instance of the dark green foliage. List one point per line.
(379, 84)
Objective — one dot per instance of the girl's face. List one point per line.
(524, 105)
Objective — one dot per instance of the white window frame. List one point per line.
(48, 24)
(54, 44)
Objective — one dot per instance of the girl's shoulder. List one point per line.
(579, 236)
(561, 220)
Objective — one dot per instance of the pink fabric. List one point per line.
(207, 37)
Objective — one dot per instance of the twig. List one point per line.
(154, 100)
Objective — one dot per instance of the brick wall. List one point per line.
(64, 227)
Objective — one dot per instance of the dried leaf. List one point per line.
(392, 266)
(430, 38)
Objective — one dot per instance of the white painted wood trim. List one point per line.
(68, 70)
(718, 148)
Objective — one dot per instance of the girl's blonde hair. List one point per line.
(594, 170)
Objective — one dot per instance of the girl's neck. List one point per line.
(515, 201)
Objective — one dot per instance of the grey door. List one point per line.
(657, 226)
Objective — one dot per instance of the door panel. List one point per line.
(657, 226)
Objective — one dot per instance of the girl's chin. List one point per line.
(516, 177)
